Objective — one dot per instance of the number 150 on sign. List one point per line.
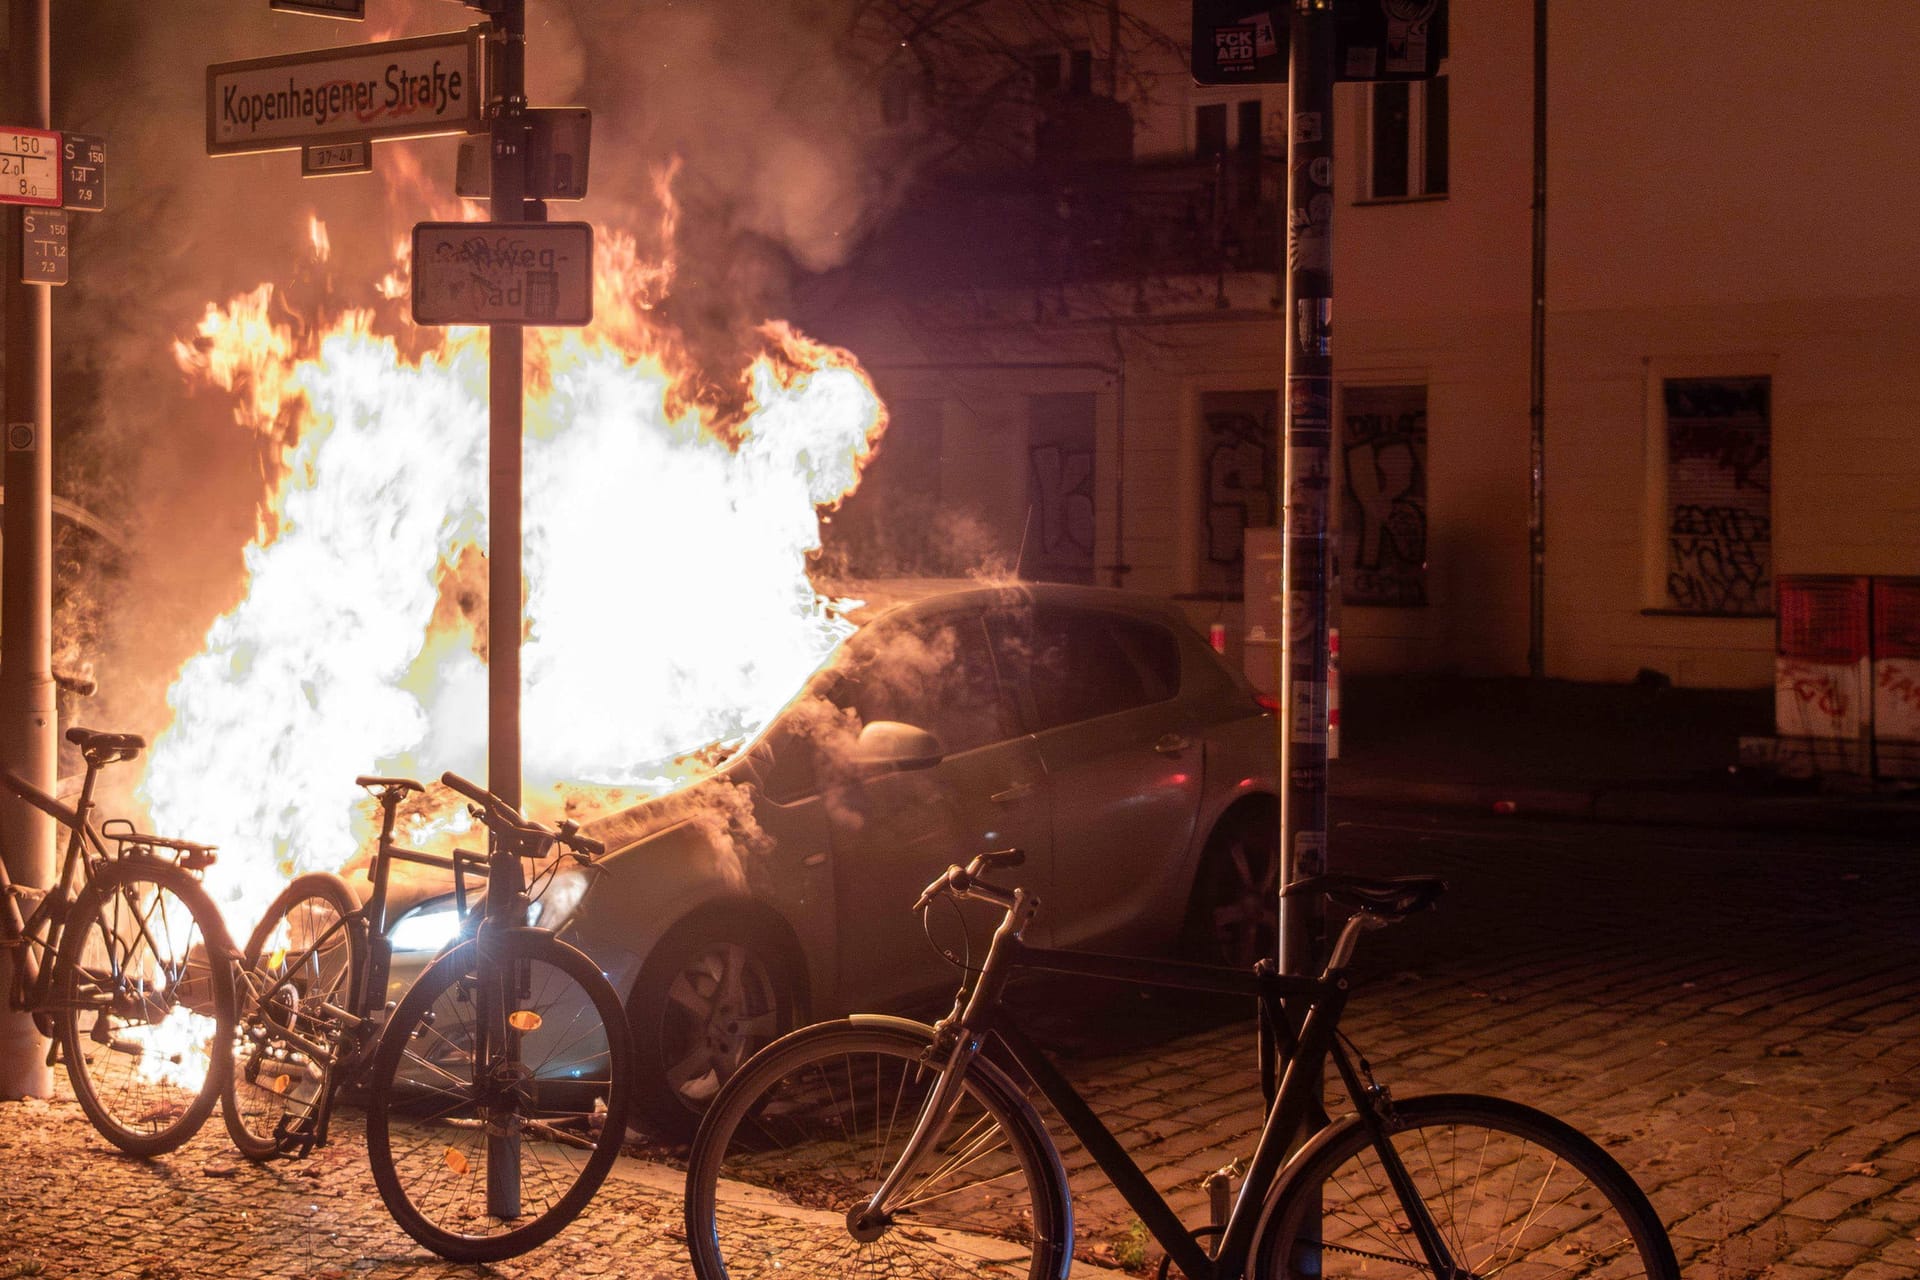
(30, 167)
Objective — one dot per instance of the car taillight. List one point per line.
(1266, 702)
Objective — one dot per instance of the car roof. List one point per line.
(879, 597)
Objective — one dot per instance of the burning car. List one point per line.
(1091, 728)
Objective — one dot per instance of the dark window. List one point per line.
(1239, 464)
(1249, 139)
(1210, 130)
(1391, 120)
(1080, 71)
(1045, 68)
(1407, 139)
(1079, 664)
(935, 673)
(1436, 136)
(1719, 495)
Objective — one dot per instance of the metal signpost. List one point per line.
(1310, 44)
(514, 270)
(45, 173)
(30, 176)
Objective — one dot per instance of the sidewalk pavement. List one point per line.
(1616, 752)
(1734, 1014)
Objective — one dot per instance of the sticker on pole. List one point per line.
(527, 273)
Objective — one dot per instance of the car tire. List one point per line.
(1234, 910)
(714, 991)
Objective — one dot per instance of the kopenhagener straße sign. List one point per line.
(396, 89)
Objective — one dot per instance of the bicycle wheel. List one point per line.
(297, 977)
(1511, 1191)
(500, 1093)
(808, 1129)
(146, 989)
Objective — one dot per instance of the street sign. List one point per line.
(324, 159)
(43, 246)
(397, 89)
(354, 10)
(528, 273)
(30, 167)
(557, 145)
(85, 160)
(1245, 41)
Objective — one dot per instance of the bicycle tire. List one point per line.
(304, 956)
(143, 944)
(789, 1146)
(432, 1109)
(1501, 1181)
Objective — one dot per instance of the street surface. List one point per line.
(1735, 1015)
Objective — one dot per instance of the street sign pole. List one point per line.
(1307, 475)
(28, 743)
(505, 354)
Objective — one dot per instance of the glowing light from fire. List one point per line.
(665, 558)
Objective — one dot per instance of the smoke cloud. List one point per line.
(766, 108)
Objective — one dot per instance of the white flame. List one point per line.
(667, 605)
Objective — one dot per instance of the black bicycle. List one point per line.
(497, 1090)
(125, 963)
(879, 1146)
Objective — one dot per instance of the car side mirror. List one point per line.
(889, 746)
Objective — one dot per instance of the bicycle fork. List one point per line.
(869, 1220)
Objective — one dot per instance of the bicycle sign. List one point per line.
(30, 168)
(530, 273)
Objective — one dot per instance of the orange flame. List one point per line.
(665, 558)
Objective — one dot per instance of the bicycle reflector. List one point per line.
(524, 1020)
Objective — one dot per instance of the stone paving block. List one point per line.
(1823, 1205)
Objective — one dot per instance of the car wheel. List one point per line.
(711, 994)
(1233, 915)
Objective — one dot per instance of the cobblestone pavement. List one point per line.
(1745, 1038)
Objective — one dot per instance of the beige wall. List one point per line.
(1732, 192)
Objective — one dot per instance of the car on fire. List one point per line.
(1093, 729)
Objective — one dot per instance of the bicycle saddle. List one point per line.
(1390, 896)
(105, 748)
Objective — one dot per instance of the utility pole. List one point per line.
(28, 728)
(1537, 398)
(505, 388)
(1307, 562)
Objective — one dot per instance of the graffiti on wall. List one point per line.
(1060, 445)
(1239, 442)
(1719, 495)
(1383, 528)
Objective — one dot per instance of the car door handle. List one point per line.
(1014, 794)
(1171, 743)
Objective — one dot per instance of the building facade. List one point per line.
(1084, 359)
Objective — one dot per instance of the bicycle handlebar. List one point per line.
(966, 882)
(506, 820)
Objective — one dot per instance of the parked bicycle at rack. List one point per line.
(879, 1144)
(125, 963)
(497, 1090)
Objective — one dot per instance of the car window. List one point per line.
(1083, 663)
(935, 673)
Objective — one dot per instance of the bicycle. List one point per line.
(497, 1089)
(879, 1143)
(124, 963)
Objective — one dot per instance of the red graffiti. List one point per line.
(1814, 686)
(1900, 684)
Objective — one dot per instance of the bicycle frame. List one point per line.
(33, 975)
(979, 1012)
